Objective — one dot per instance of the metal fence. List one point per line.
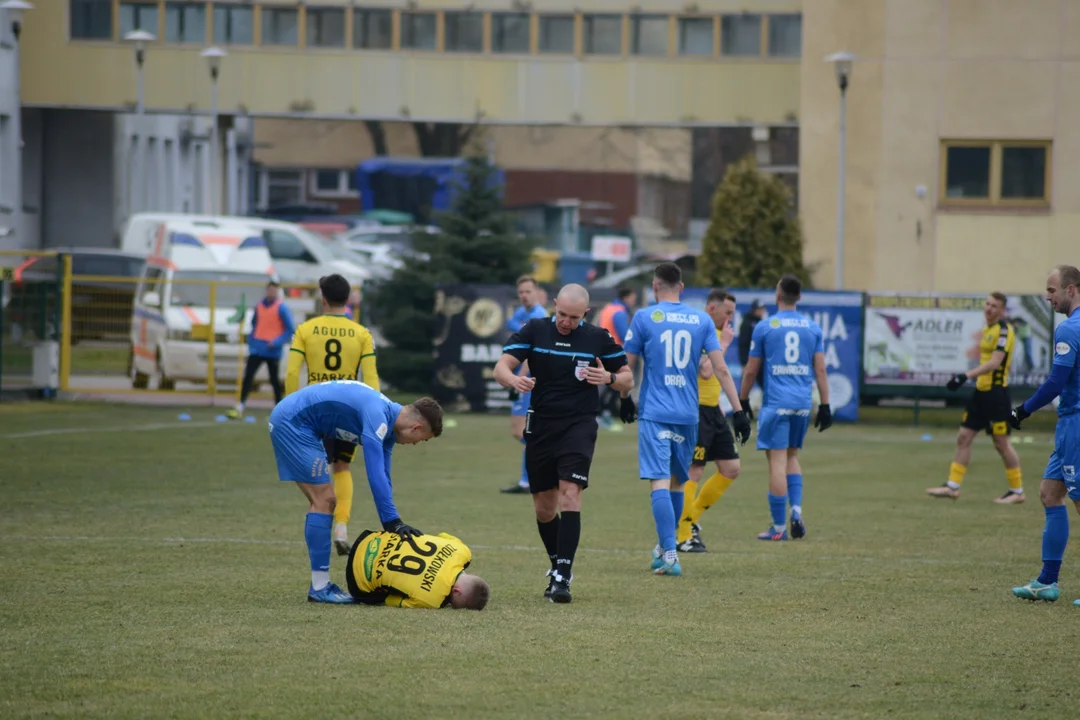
(30, 322)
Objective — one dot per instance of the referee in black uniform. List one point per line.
(569, 360)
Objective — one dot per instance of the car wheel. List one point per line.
(164, 383)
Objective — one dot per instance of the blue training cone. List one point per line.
(927, 437)
(249, 419)
(221, 418)
(183, 416)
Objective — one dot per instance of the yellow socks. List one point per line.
(690, 488)
(711, 491)
(343, 489)
(1016, 480)
(956, 475)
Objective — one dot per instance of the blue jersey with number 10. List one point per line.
(669, 338)
(786, 342)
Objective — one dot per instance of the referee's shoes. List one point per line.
(517, 489)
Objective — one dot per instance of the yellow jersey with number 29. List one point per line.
(415, 573)
(334, 348)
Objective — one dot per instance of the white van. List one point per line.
(171, 317)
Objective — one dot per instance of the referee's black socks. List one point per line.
(549, 533)
(569, 535)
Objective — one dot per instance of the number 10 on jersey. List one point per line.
(676, 348)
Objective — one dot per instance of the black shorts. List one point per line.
(715, 441)
(559, 449)
(988, 410)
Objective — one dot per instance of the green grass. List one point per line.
(160, 571)
(99, 359)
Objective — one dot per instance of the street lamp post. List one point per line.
(213, 57)
(14, 10)
(138, 38)
(842, 62)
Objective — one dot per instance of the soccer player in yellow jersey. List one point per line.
(989, 406)
(715, 441)
(425, 571)
(334, 348)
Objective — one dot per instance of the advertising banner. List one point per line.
(924, 340)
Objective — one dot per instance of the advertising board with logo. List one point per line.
(925, 340)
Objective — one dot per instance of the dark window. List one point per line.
(185, 23)
(138, 16)
(325, 27)
(233, 25)
(740, 35)
(464, 32)
(280, 26)
(649, 35)
(967, 172)
(785, 35)
(91, 19)
(373, 29)
(695, 36)
(557, 34)
(418, 31)
(328, 181)
(603, 34)
(284, 246)
(1023, 172)
(510, 33)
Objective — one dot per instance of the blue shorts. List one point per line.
(521, 405)
(1065, 459)
(781, 429)
(300, 454)
(665, 450)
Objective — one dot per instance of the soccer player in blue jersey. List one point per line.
(670, 337)
(789, 349)
(530, 309)
(1060, 478)
(315, 432)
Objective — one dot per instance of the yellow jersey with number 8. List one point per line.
(334, 348)
(709, 388)
(415, 573)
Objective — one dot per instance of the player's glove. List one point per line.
(399, 528)
(956, 381)
(741, 423)
(514, 395)
(627, 410)
(745, 402)
(823, 421)
(1017, 416)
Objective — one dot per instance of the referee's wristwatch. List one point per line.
(611, 381)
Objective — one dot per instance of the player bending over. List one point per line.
(322, 424)
(784, 348)
(426, 572)
(334, 348)
(1059, 479)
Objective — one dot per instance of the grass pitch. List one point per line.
(156, 568)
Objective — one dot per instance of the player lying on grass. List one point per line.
(386, 568)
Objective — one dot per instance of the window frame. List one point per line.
(604, 16)
(768, 30)
(449, 15)
(342, 191)
(145, 5)
(683, 21)
(762, 36)
(277, 11)
(317, 11)
(497, 15)
(112, 13)
(405, 15)
(993, 198)
(541, 18)
(367, 13)
(227, 14)
(183, 6)
(636, 21)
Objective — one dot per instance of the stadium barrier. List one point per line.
(29, 325)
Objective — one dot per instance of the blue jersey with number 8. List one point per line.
(669, 338)
(786, 343)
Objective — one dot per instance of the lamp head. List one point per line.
(15, 10)
(139, 38)
(213, 57)
(842, 62)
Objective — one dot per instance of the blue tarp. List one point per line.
(418, 186)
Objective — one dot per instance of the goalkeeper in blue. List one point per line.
(670, 338)
(788, 348)
(1060, 478)
(315, 432)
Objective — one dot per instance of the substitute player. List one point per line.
(715, 441)
(1060, 478)
(670, 337)
(785, 348)
(334, 348)
(989, 406)
(426, 572)
(530, 309)
(321, 425)
(271, 327)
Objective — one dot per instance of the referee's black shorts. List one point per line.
(715, 441)
(988, 410)
(559, 449)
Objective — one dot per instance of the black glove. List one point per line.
(745, 402)
(741, 422)
(399, 528)
(956, 381)
(823, 421)
(514, 395)
(627, 410)
(1017, 416)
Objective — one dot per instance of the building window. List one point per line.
(649, 34)
(91, 19)
(464, 32)
(325, 27)
(785, 35)
(418, 31)
(740, 35)
(280, 26)
(695, 36)
(185, 23)
(603, 34)
(138, 16)
(510, 33)
(1003, 173)
(557, 34)
(373, 29)
(283, 187)
(233, 25)
(333, 183)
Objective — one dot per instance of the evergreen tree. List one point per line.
(754, 237)
(477, 244)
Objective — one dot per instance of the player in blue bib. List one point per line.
(1060, 478)
(788, 348)
(670, 337)
(315, 431)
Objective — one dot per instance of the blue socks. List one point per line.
(778, 508)
(1055, 538)
(317, 536)
(663, 512)
(794, 489)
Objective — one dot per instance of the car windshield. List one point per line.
(338, 250)
(197, 294)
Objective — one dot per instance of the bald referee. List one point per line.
(570, 360)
